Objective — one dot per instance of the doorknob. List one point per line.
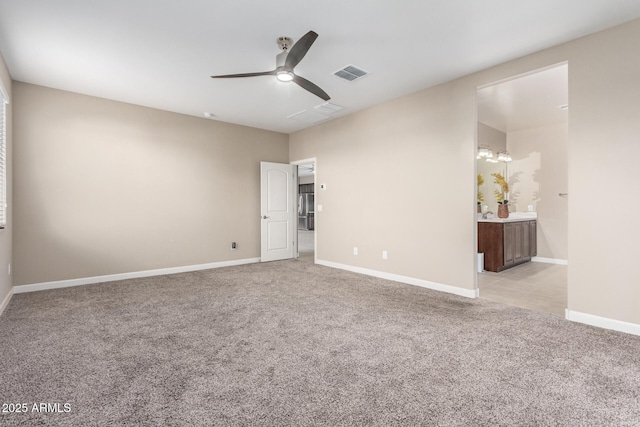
(264, 217)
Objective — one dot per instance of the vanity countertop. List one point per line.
(513, 217)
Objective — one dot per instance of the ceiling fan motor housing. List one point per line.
(284, 43)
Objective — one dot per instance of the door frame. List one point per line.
(475, 163)
(315, 216)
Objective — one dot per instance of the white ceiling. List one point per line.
(526, 102)
(160, 53)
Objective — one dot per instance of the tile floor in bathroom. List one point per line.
(534, 285)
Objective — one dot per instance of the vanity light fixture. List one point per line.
(504, 156)
(484, 152)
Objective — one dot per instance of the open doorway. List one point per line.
(522, 159)
(306, 210)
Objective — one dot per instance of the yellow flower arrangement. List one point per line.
(480, 182)
(504, 187)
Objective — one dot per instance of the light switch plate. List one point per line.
(319, 208)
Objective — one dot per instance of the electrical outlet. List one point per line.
(385, 255)
(234, 246)
(355, 250)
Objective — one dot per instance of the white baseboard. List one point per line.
(5, 301)
(603, 322)
(469, 293)
(550, 260)
(123, 276)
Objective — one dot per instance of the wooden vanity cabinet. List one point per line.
(506, 244)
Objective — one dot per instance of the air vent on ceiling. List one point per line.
(350, 73)
(328, 108)
(307, 116)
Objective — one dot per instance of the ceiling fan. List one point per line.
(286, 61)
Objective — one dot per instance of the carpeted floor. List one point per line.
(292, 343)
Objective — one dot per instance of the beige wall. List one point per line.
(604, 148)
(400, 177)
(416, 157)
(104, 187)
(6, 280)
(537, 174)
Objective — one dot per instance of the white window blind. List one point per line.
(3, 160)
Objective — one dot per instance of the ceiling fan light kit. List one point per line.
(286, 61)
(284, 75)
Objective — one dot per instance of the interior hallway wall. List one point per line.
(104, 187)
(399, 178)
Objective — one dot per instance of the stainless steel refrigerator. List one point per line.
(305, 211)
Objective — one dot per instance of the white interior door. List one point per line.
(278, 207)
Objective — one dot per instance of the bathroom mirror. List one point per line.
(493, 141)
(488, 187)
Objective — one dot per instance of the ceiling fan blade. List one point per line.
(311, 87)
(228, 76)
(299, 49)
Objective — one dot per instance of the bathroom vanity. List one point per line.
(507, 242)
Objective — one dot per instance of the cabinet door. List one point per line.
(533, 238)
(518, 247)
(491, 243)
(526, 241)
(509, 244)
